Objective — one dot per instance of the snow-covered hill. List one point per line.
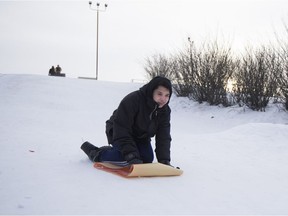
(235, 161)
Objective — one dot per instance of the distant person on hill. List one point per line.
(140, 115)
(58, 70)
(52, 71)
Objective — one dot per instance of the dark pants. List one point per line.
(114, 154)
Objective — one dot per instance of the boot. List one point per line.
(87, 147)
(92, 151)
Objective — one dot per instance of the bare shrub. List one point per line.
(183, 70)
(283, 76)
(256, 81)
(158, 65)
(202, 74)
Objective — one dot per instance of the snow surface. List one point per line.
(235, 160)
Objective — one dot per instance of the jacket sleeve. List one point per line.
(163, 138)
(123, 122)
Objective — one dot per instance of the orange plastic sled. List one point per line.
(140, 170)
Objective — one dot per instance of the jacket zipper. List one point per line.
(155, 109)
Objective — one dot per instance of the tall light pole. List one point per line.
(97, 9)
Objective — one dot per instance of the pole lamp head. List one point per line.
(106, 5)
(90, 3)
(98, 4)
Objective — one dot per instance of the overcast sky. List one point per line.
(38, 34)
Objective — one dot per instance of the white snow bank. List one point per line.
(235, 161)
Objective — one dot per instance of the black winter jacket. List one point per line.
(138, 118)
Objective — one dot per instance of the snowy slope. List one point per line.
(235, 161)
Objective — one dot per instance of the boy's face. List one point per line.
(161, 96)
